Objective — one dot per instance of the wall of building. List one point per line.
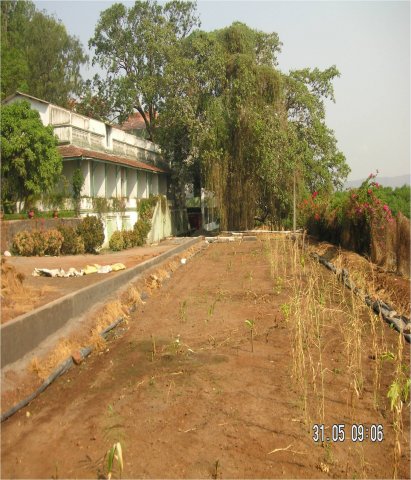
(107, 180)
(71, 127)
(42, 108)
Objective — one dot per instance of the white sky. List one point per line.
(368, 41)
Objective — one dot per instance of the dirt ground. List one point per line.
(191, 392)
(37, 291)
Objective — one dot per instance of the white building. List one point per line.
(115, 165)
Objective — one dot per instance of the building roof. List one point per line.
(21, 94)
(71, 151)
(134, 122)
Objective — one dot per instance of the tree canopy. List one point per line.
(31, 164)
(134, 46)
(228, 119)
(38, 56)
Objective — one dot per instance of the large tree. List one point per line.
(228, 119)
(30, 162)
(38, 56)
(134, 46)
(320, 162)
(246, 127)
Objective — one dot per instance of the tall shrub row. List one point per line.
(88, 237)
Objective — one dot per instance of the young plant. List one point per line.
(250, 324)
(278, 285)
(154, 348)
(114, 453)
(398, 394)
(216, 469)
(286, 310)
(183, 311)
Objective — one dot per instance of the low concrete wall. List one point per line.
(9, 228)
(26, 332)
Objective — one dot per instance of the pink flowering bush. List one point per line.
(348, 218)
(364, 203)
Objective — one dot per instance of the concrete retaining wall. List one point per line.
(24, 333)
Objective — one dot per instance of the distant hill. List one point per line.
(385, 181)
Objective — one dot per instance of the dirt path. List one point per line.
(187, 398)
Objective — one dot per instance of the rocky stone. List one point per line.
(77, 358)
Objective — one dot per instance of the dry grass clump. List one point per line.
(162, 274)
(109, 313)
(11, 280)
(132, 296)
(45, 366)
(152, 282)
(16, 297)
(96, 340)
(103, 318)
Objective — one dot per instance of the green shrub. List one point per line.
(91, 231)
(146, 206)
(129, 238)
(72, 242)
(38, 242)
(141, 230)
(54, 240)
(116, 242)
(23, 244)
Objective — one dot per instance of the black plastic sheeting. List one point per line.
(398, 322)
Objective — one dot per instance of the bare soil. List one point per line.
(189, 393)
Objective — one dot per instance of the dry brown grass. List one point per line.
(132, 296)
(108, 314)
(45, 366)
(366, 275)
(11, 280)
(16, 297)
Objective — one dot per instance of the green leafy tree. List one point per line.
(194, 78)
(398, 199)
(38, 55)
(228, 119)
(30, 164)
(319, 161)
(92, 101)
(238, 126)
(14, 65)
(227, 125)
(134, 46)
